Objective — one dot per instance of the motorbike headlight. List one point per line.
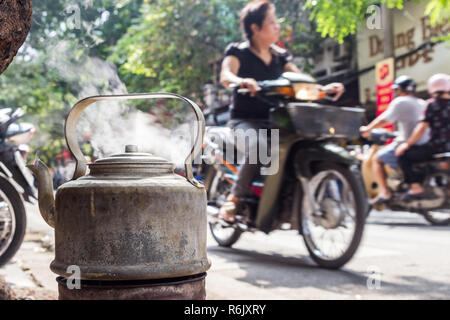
(308, 91)
(286, 91)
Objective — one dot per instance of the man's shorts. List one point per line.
(387, 155)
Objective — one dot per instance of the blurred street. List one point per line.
(302, 91)
(401, 257)
(408, 256)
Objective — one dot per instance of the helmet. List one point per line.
(439, 82)
(405, 83)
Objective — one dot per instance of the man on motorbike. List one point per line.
(405, 111)
(437, 118)
(256, 59)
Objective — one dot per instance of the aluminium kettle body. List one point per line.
(131, 217)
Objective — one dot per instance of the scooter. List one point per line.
(434, 207)
(16, 182)
(317, 189)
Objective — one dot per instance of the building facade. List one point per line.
(415, 54)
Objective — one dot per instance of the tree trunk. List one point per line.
(15, 21)
(6, 293)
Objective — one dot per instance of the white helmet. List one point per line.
(439, 82)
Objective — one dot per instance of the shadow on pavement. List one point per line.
(274, 270)
(291, 272)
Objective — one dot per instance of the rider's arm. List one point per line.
(376, 123)
(291, 67)
(390, 115)
(418, 132)
(228, 75)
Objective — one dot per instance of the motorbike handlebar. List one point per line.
(244, 91)
(329, 97)
(381, 136)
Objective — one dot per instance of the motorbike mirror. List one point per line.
(18, 113)
(295, 77)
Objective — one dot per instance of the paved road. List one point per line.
(29, 268)
(410, 258)
(401, 256)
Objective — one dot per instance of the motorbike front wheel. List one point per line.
(12, 220)
(217, 189)
(333, 232)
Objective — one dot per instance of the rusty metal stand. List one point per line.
(183, 288)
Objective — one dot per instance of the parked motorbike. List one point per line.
(434, 207)
(16, 182)
(317, 189)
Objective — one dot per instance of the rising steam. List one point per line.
(109, 126)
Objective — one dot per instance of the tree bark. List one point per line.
(15, 21)
(6, 293)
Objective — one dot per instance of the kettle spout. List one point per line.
(45, 191)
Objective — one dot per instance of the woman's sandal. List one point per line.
(407, 197)
(228, 212)
(380, 200)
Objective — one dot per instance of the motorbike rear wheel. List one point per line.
(439, 185)
(438, 217)
(333, 234)
(12, 220)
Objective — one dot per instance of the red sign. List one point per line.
(384, 72)
(384, 97)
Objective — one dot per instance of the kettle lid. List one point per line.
(131, 162)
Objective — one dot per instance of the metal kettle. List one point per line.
(131, 217)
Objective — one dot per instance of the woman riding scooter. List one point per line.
(244, 64)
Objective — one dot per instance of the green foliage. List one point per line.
(439, 11)
(158, 45)
(340, 18)
(44, 96)
(36, 80)
(298, 31)
(174, 44)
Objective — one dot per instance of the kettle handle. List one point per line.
(77, 109)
